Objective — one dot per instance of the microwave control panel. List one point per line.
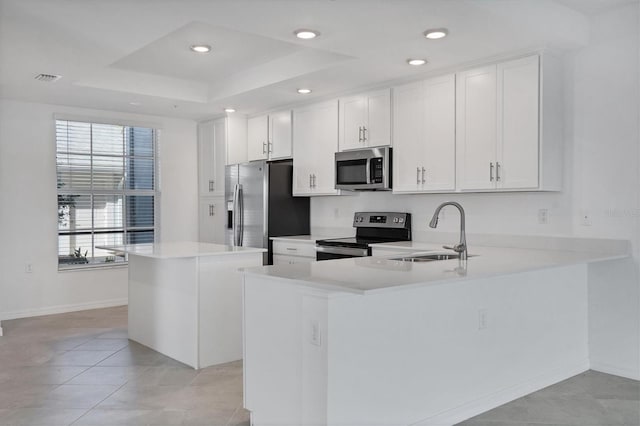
(376, 173)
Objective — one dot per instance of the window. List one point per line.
(106, 190)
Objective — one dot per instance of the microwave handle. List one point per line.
(368, 172)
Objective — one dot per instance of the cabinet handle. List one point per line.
(360, 134)
(264, 147)
(314, 180)
(423, 178)
(364, 134)
(310, 181)
(490, 172)
(418, 175)
(269, 147)
(212, 210)
(292, 249)
(210, 186)
(497, 171)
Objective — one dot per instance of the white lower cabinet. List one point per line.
(289, 252)
(315, 142)
(424, 136)
(211, 220)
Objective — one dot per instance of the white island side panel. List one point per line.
(163, 306)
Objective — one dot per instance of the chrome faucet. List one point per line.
(461, 247)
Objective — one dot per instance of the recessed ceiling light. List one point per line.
(416, 62)
(304, 91)
(436, 33)
(48, 78)
(200, 48)
(306, 34)
(229, 110)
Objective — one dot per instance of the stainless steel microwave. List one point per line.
(367, 169)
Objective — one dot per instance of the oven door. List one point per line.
(334, 252)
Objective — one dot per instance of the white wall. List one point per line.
(602, 179)
(28, 199)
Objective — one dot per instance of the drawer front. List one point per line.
(280, 259)
(294, 249)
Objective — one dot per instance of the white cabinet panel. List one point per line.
(476, 128)
(424, 136)
(290, 248)
(315, 141)
(407, 137)
(257, 134)
(211, 157)
(353, 116)
(211, 220)
(518, 118)
(365, 120)
(439, 147)
(279, 259)
(236, 139)
(377, 130)
(280, 135)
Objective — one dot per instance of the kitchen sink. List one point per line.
(430, 257)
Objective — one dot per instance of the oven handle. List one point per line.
(347, 251)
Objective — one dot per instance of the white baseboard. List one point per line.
(496, 399)
(603, 367)
(61, 309)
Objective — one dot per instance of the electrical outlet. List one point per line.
(316, 337)
(543, 216)
(28, 268)
(482, 319)
(585, 218)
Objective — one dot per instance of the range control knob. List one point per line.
(396, 220)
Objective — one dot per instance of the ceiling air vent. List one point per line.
(48, 78)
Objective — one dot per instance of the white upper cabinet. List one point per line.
(315, 141)
(424, 136)
(280, 135)
(509, 126)
(365, 120)
(257, 138)
(518, 124)
(269, 136)
(477, 131)
(211, 157)
(236, 138)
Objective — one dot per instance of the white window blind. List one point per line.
(106, 190)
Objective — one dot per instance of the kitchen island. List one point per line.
(379, 341)
(185, 299)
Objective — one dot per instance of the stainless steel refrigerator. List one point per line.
(260, 204)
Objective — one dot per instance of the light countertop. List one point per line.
(366, 275)
(180, 249)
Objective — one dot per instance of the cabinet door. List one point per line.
(211, 227)
(439, 134)
(257, 135)
(353, 113)
(325, 145)
(206, 158)
(518, 123)
(236, 138)
(378, 124)
(280, 135)
(476, 128)
(220, 143)
(408, 108)
(279, 259)
(303, 140)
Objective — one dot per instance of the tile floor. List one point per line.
(80, 369)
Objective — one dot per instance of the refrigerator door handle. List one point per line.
(235, 215)
(240, 215)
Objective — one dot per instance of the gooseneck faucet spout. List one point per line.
(461, 247)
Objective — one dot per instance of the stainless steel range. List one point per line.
(371, 228)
